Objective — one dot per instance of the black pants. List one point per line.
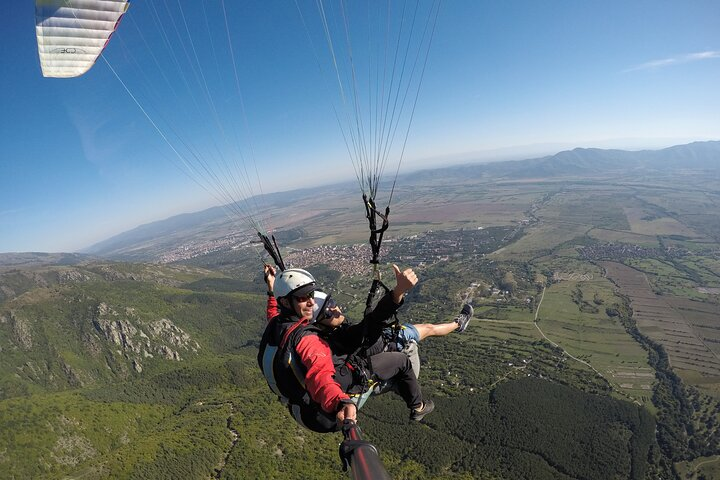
(396, 367)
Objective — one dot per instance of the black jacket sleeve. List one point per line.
(369, 331)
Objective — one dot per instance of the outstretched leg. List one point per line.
(435, 329)
(441, 329)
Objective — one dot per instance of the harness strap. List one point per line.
(272, 248)
(372, 294)
(376, 234)
(297, 370)
(360, 398)
(289, 332)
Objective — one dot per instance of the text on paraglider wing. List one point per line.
(68, 50)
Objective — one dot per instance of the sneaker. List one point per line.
(464, 318)
(427, 407)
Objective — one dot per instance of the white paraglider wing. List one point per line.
(71, 34)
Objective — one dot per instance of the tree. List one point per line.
(508, 282)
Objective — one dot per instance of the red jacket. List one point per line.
(315, 355)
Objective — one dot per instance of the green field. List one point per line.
(586, 332)
(541, 238)
(611, 236)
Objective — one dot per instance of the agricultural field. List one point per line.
(335, 219)
(459, 206)
(604, 208)
(543, 236)
(695, 207)
(615, 236)
(687, 274)
(573, 316)
(647, 221)
(685, 328)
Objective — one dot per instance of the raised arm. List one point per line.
(272, 309)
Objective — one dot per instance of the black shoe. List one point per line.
(427, 407)
(464, 318)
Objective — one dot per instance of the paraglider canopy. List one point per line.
(71, 35)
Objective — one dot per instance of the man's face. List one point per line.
(333, 317)
(303, 306)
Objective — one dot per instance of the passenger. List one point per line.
(396, 338)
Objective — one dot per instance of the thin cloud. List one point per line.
(15, 211)
(680, 59)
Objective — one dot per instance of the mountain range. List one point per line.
(150, 241)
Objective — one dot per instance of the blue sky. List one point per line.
(80, 162)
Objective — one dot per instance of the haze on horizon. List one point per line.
(505, 80)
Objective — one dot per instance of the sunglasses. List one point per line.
(304, 298)
(327, 308)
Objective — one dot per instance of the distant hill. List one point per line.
(584, 162)
(152, 241)
(696, 155)
(157, 237)
(30, 259)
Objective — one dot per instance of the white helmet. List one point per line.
(294, 281)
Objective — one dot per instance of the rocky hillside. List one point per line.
(75, 326)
